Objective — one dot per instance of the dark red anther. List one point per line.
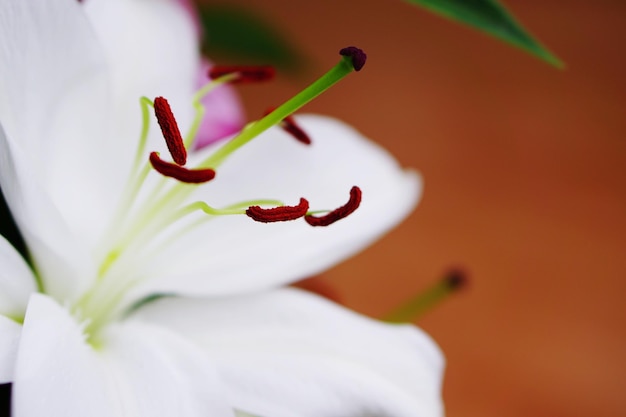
(456, 278)
(290, 126)
(245, 74)
(294, 130)
(358, 56)
(278, 214)
(338, 213)
(170, 130)
(191, 176)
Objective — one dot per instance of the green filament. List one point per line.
(421, 303)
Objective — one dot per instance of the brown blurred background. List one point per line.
(525, 176)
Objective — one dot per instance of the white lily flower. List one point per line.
(73, 339)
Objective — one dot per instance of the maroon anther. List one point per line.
(456, 278)
(338, 213)
(245, 74)
(290, 126)
(170, 130)
(358, 56)
(278, 214)
(191, 176)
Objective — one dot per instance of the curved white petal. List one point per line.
(64, 263)
(16, 281)
(233, 253)
(288, 353)
(9, 339)
(190, 7)
(52, 96)
(151, 50)
(136, 371)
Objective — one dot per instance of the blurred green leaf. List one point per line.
(491, 17)
(239, 34)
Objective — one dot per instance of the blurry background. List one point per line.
(525, 176)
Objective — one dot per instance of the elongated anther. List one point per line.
(290, 126)
(295, 130)
(170, 130)
(245, 74)
(338, 213)
(358, 56)
(278, 214)
(191, 176)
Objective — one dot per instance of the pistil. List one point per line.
(353, 59)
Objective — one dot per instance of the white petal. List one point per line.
(149, 45)
(16, 281)
(53, 90)
(48, 52)
(233, 253)
(288, 353)
(136, 371)
(64, 264)
(9, 339)
(152, 50)
(70, 132)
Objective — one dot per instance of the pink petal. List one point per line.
(224, 114)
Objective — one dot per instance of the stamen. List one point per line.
(191, 176)
(338, 213)
(245, 74)
(358, 56)
(170, 130)
(290, 126)
(453, 280)
(278, 214)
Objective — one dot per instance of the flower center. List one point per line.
(139, 221)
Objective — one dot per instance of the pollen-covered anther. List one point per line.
(170, 130)
(191, 176)
(338, 213)
(290, 126)
(278, 214)
(244, 74)
(356, 54)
